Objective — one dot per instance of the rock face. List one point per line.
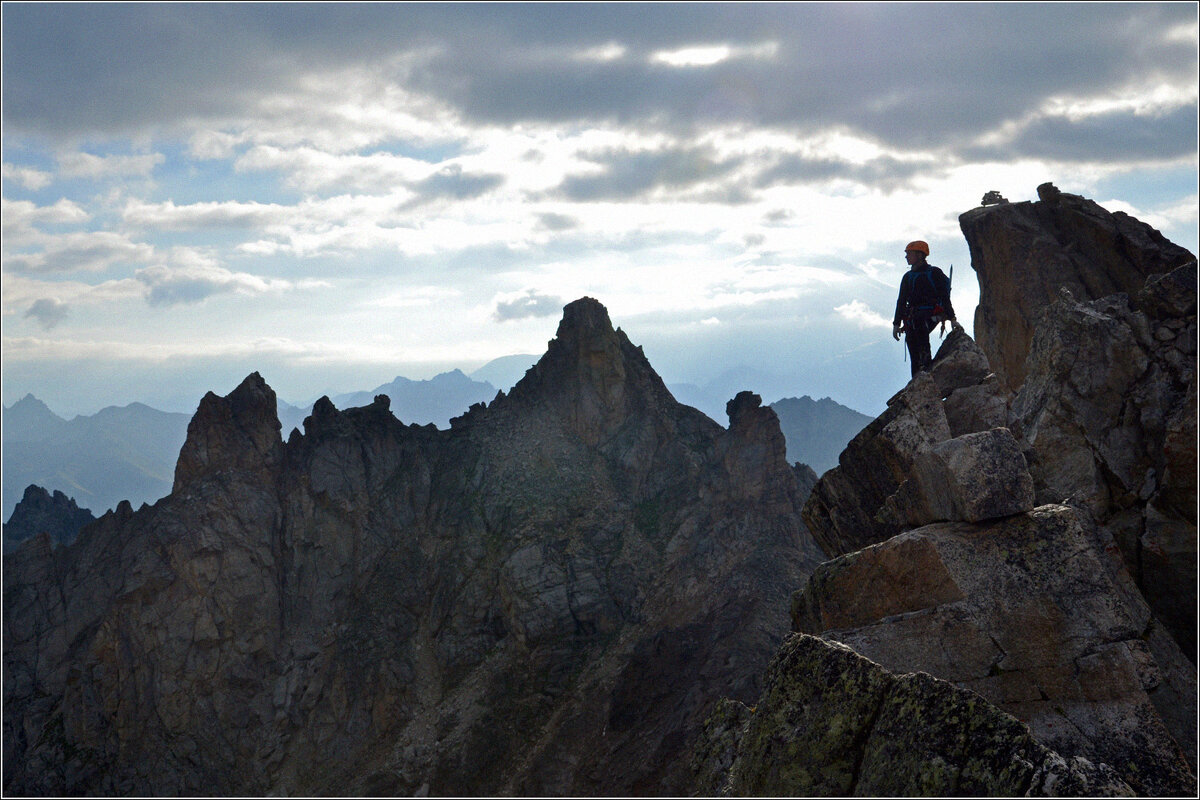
(831, 723)
(1024, 253)
(1026, 534)
(546, 599)
(40, 512)
(1037, 614)
(1107, 419)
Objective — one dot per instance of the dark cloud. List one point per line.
(531, 304)
(451, 183)
(48, 311)
(885, 172)
(180, 290)
(1112, 136)
(916, 76)
(626, 173)
(557, 222)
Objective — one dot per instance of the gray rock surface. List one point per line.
(1107, 419)
(970, 478)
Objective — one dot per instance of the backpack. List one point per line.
(923, 294)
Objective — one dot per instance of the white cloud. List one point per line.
(194, 216)
(28, 177)
(693, 56)
(863, 315)
(21, 218)
(20, 292)
(417, 297)
(709, 55)
(311, 169)
(611, 51)
(188, 276)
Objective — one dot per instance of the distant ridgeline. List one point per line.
(129, 453)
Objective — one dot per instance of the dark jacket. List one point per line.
(926, 290)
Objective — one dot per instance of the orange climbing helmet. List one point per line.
(918, 245)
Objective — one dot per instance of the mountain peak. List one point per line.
(592, 375)
(237, 432)
(584, 314)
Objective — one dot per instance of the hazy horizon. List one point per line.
(334, 195)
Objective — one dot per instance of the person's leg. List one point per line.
(918, 345)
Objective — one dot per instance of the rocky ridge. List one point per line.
(547, 598)
(1032, 543)
(41, 512)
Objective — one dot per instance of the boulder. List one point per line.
(971, 478)
(1037, 614)
(832, 723)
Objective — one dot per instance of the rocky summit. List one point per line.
(546, 599)
(1013, 542)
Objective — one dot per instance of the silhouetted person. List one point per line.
(924, 301)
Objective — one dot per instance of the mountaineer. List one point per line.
(924, 301)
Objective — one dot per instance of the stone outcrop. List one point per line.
(1026, 534)
(1024, 253)
(1104, 413)
(831, 723)
(973, 477)
(39, 511)
(1037, 614)
(546, 599)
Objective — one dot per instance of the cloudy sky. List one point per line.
(335, 195)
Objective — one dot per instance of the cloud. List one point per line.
(1112, 136)
(21, 293)
(87, 165)
(706, 56)
(552, 221)
(28, 177)
(21, 219)
(625, 173)
(189, 277)
(194, 216)
(529, 303)
(312, 169)
(885, 172)
(863, 315)
(452, 183)
(77, 69)
(84, 251)
(48, 311)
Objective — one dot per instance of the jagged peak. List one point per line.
(595, 379)
(240, 431)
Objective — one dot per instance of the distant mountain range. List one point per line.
(117, 454)
(129, 453)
